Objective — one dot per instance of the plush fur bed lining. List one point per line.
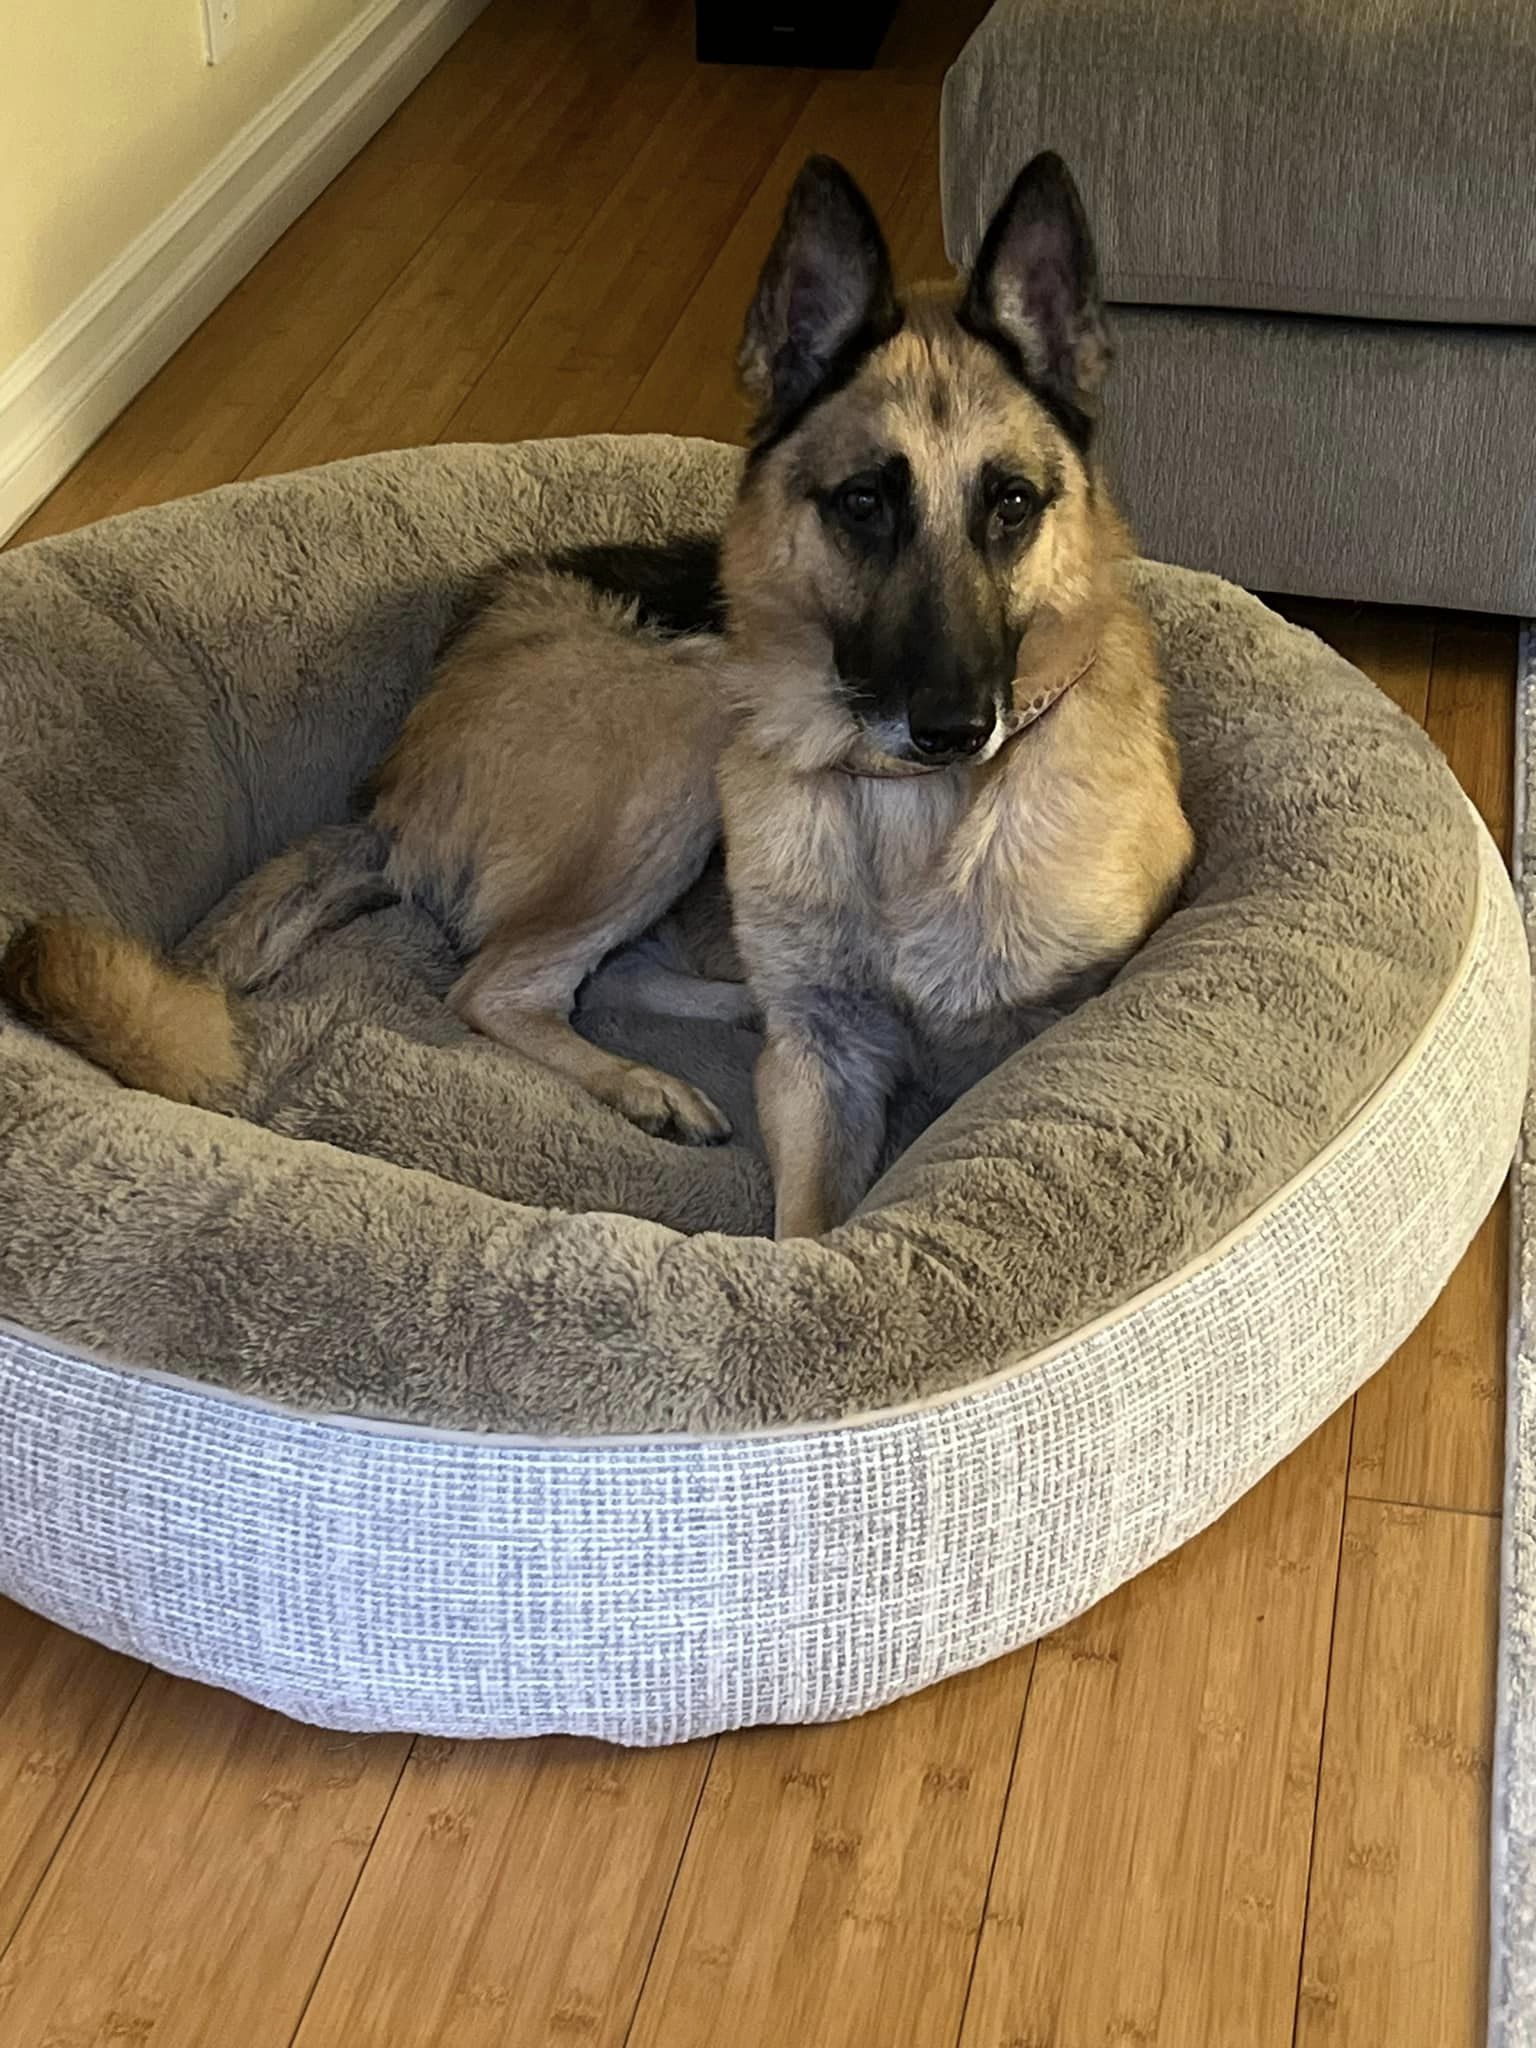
(1358, 1126)
(183, 690)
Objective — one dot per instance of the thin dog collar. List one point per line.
(1045, 700)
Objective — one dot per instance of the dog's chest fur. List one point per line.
(946, 913)
(935, 892)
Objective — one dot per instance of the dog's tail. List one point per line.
(171, 1026)
(323, 881)
(119, 1003)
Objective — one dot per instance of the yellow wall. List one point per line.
(108, 112)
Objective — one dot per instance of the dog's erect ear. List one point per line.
(824, 296)
(1034, 292)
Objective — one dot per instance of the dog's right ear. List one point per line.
(824, 298)
(1034, 293)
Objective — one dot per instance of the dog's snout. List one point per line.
(952, 738)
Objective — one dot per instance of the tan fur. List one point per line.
(561, 760)
(552, 795)
(820, 1163)
(568, 850)
(556, 794)
(115, 1001)
(959, 899)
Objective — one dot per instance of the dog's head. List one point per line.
(918, 542)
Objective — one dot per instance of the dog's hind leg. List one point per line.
(639, 978)
(520, 992)
(687, 965)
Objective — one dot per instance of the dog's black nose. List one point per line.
(951, 740)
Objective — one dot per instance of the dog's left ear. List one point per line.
(1034, 292)
(825, 291)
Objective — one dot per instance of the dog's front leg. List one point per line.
(822, 1093)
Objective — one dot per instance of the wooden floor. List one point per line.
(1241, 1804)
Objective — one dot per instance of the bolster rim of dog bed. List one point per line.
(384, 1450)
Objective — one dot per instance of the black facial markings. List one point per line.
(840, 372)
(887, 647)
(991, 525)
(676, 583)
(1076, 424)
(873, 511)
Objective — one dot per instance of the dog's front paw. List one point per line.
(668, 1108)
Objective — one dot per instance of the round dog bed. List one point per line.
(430, 1395)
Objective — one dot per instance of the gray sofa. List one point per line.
(1317, 225)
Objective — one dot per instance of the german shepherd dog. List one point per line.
(912, 683)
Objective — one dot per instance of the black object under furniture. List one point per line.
(842, 35)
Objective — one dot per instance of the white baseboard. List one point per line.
(77, 377)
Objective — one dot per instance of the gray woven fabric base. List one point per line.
(1512, 1980)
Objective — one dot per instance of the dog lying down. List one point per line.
(911, 687)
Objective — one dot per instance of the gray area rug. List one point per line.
(1512, 1987)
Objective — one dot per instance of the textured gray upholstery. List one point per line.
(1375, 159)
(1250, 165)
(1369, 460)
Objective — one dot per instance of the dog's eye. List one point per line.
(858, 502)
(1016, 502)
